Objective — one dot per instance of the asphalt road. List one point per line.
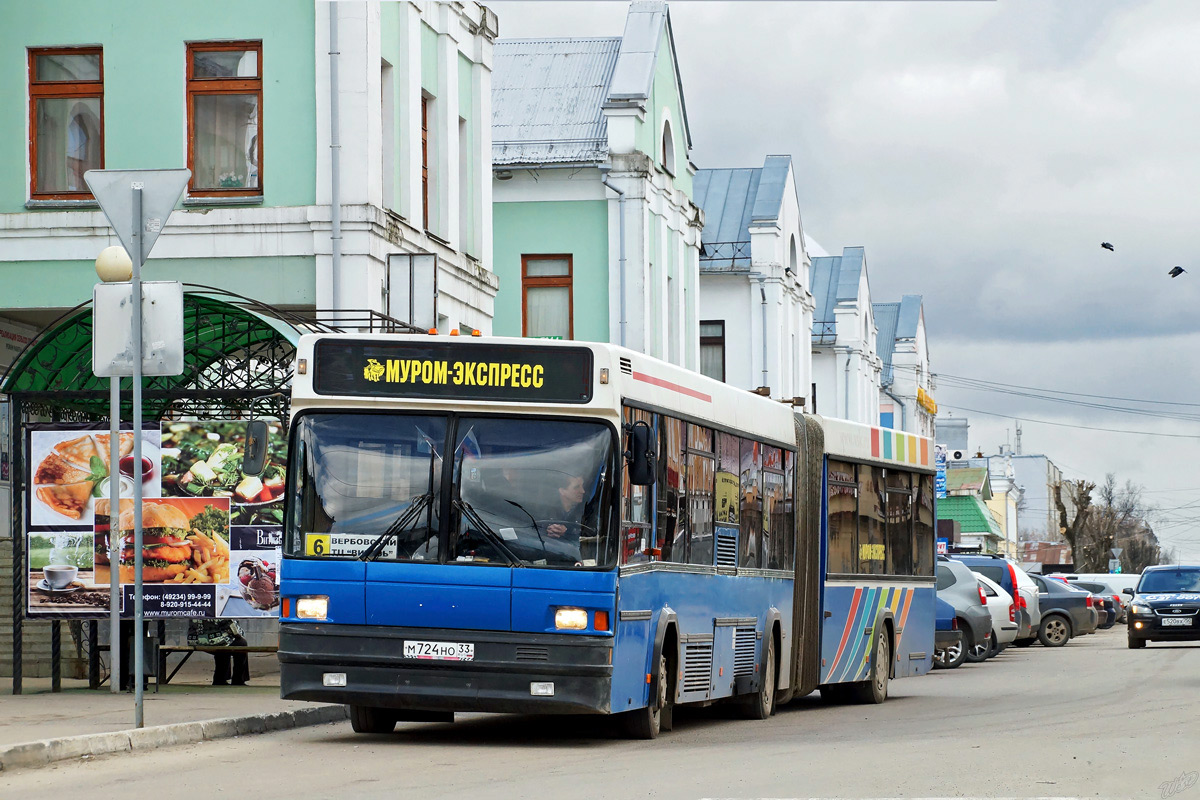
(1092, 719)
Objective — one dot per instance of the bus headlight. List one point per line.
(570, 619)
(312, 607)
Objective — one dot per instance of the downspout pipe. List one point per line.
(903, 410)
(335, 162)
(763, 293)
(846, 387)
(621, 239)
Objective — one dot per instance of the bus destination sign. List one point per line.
(454, 371)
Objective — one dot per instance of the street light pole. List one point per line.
(139, 656)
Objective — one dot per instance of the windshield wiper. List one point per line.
(406, 518)
(482, 527)
(536, 529)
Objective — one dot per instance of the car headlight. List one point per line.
(570, 619)
(1138, 608)
(312, 607)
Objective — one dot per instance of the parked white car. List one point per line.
(1004, 619)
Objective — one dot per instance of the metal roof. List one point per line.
(971, 512)
(547, 98)
(733, 200)
(895, 321)
(973, 480)
(835, 280)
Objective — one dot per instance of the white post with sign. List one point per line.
(137, 204)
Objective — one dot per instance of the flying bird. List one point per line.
(1108, 246)
(1176, 272)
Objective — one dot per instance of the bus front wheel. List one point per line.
(645, 723)
(366, 719)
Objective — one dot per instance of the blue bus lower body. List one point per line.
(852, 611)
(497, 679)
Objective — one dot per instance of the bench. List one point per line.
(189, 649)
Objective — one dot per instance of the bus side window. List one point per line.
(872, 550)
(701, 500)
(671, 531)
(843, 519)
(923, 538)
(751, 516)
(899, 522)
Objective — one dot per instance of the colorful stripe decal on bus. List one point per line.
(674, 387)
(861, 617)
(898, 446)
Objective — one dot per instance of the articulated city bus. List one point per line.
(498, 525)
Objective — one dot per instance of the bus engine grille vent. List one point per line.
(627, 366)
(697, 666)
(726, 549)
(533, 653)
(745, 641)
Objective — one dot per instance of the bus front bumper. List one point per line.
(500, 677)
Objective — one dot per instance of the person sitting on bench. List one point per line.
(222, 633)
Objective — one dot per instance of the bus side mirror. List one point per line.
(640, 458)
(255, 457)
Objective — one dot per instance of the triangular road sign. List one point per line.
(161, 190)
(1116, 551)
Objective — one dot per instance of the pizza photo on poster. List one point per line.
(204, 459)
(69, 470)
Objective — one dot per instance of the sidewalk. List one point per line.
(90, 717)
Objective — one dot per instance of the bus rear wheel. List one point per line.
(875, 688)
(761, 704)
(366, 719)
(645, 723)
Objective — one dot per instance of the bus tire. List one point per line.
(875, 688)
(645, 723)
(366, 719)
(761, 704)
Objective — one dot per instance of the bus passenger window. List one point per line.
(672, 515)
(750, 541)
(701, 475)
(843, 518)
(777, 526)
(899, 522)
(923, 538)
(872, 550)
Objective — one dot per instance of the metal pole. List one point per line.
(621, 249)
(56, 656)
(114, 533)
(18, 539)
(138, 611)
(335, 164)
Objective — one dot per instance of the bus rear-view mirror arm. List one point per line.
(640, 458)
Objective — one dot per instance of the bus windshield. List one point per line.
(519, 491)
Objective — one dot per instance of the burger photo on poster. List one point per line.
(166, 551)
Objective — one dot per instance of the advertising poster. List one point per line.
(211, 535)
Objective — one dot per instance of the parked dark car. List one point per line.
(1099, 589)
(948, 651)
(1014, 581)
(1066, 612)
(959, 587)
(1165, 606)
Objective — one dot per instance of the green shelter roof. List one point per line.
(233, 356)
(971, 513)
(969, 480)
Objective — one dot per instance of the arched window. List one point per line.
(668, 148)
(794, 259)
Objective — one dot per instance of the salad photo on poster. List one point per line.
(204, 459)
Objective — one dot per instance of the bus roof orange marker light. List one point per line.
(454, 331)
(433, 331)
(476, 332)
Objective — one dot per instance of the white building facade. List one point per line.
(906, 380)
(846, 368)
(756, 310)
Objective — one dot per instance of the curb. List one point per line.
(49, 751)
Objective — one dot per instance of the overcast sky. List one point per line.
(981, 152)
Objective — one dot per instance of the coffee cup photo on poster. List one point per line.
(204, 459)
(69, 470)
(184, 541)
(60, 579)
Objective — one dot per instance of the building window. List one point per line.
(712, 349)
(548, 304)
(425, 162)
(668, 149)
(225, 102)
(66, 120)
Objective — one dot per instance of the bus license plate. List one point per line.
(440, 651)
(1181, 621)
